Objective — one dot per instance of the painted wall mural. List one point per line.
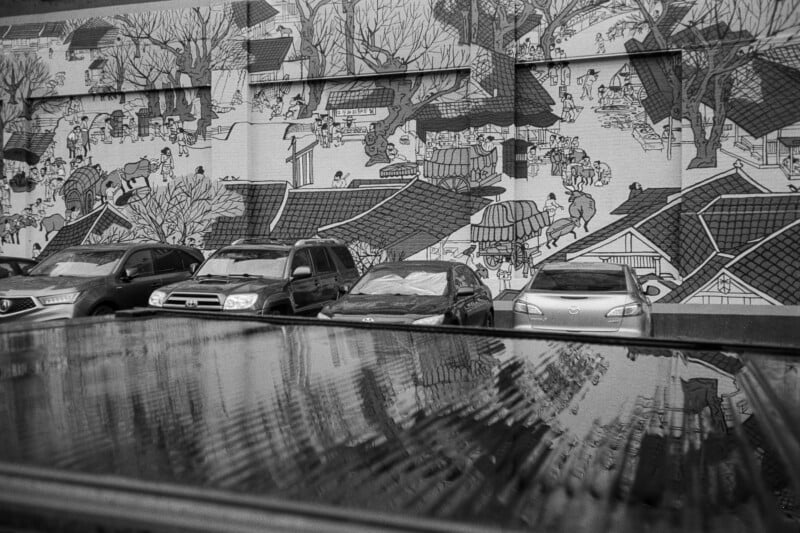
(501, 133)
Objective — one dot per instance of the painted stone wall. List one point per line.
(501, 133)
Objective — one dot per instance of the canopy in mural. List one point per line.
(467, 161)
(363, 98)
(513, 220)
(27, 147)
(404, 168)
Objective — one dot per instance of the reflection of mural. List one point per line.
(405, 127)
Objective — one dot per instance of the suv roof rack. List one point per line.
(288, 242)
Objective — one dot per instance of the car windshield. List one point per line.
(79, 263)
(405, 282)
(568, 280)
(246, 262)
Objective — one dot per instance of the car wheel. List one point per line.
(488, 322)
(103, 310)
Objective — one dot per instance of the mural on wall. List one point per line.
(464, 130)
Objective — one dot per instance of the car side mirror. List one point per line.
(193, 267)
(130, 273)
(465, 291)
(652, 290)
(344, 289)
(301, 272)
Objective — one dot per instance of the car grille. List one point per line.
(17, 305)
(194, 301)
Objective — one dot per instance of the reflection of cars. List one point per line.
(265, 277)
(14, 266)
(94, 280)
(599, 298)
(416, 292)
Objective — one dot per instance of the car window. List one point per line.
(566, 280)
(465, 278)
(167, 260)
(257, 262)
(141, 261)
(301, 258)
(6, 270)
(322, 262)
(80, 263)
(188, 260)
(344, 256)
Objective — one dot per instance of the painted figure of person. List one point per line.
(85, 140)
(199, 173)
(107, 131)
(167, 164)
(600, 43)
(340, 180)
(236, 99)
(588, 82)
(36, 249)
(504, 273)
(393, 154)
(73, 141)
(533, 162)
(568, 111)
(182, 142)
(277, 107)
(603, 172)
(551, 205)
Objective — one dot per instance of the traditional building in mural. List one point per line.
(661, 134)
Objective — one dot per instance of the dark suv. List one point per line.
(265, 277)
(94, 280)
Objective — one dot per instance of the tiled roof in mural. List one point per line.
(91, 35)
(267, 54)
(771, 266)
(262, 201)
(306, 211)
(646, 199)
(377, 97)
(695, 282)
(27, 146)
(695, 243)
(54, 29)
(417, 216)
(736, 221)
(77, 232)
(698, 196)
(660, 96)
(785, 55)
(24, 31)
(97, 63)
(633, 217)
(377, 182)
(248, 13)
(662, 230)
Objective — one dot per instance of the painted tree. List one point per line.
(721, 40)
(348, 31)
(557, 15)
(25, 91)
(195, 41)
(399, 42)
(183, 208)
(317, 40)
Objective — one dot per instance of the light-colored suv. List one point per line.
(265, 277)
(595, 298)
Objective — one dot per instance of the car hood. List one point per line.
(223, 285)
(42, 285)
(389, 304)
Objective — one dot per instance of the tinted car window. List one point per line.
(188, 260)
(322, 262)
(167, 260)
(141, 262)
(6, 270)
(344, 256)
(301, 258)
(559, 280)
(465, 278)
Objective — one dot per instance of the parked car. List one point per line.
(265, 277)
(596, 298)
(94, 280)
(416, 292)
(14, 266)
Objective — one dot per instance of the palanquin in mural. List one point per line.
(662, 134)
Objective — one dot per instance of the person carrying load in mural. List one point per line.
(587, 82)
(182, 141)
(568, 112)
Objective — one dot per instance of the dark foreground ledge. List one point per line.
(164, 423)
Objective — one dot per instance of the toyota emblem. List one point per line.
(191, 302)
(5, 305)
(368, 319)
(574, 310)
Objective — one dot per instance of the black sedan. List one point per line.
(14, 266)
(416, 292)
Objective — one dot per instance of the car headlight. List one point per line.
(434, 320)
(323, 316)
(56, 299)
(157, 298)
(522, 306)
(625, 310)
(235, 302)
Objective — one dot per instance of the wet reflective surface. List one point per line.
(486, 431)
